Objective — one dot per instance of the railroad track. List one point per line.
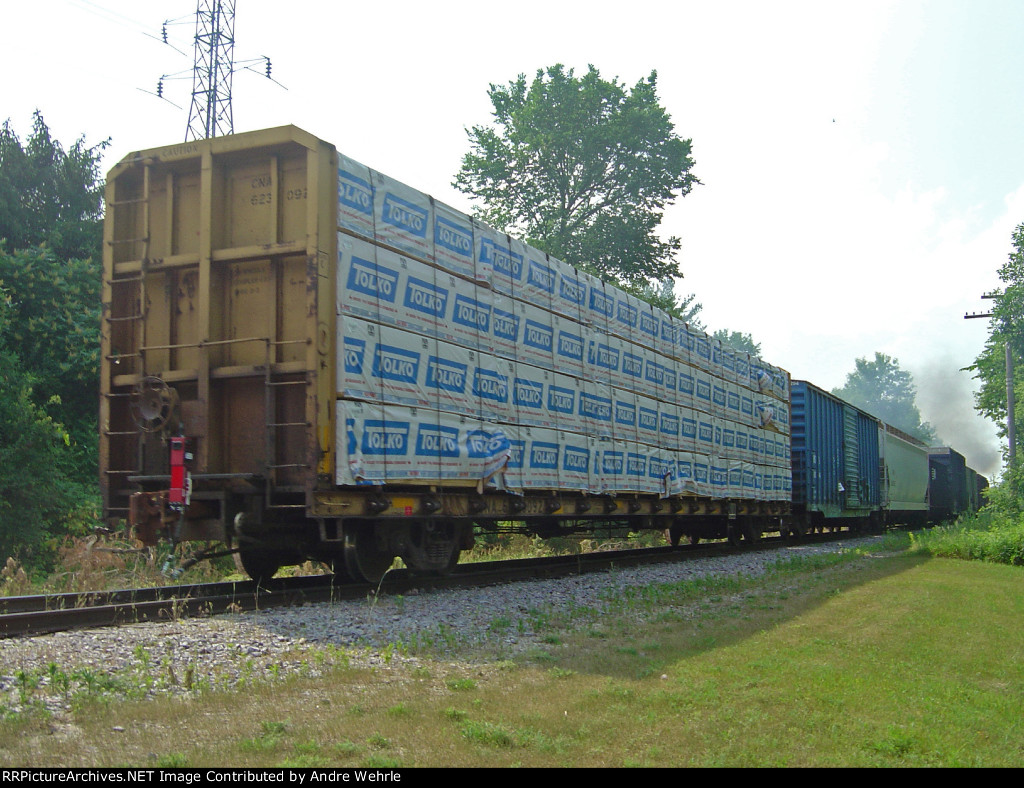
(23, 616)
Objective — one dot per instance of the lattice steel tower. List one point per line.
(211, 115)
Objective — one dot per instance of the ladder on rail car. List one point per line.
(120, 488)
(272, 384)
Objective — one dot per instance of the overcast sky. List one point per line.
(861, 162)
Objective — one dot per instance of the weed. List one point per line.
(347, 748)
(488, 733)
(172, 760)
(460, 685)
(379, 742)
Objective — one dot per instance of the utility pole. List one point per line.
(211, 115)
(1011, 404)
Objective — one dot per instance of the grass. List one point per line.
(895, 660)
(987, 536)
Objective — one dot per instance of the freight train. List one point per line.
(303, 358)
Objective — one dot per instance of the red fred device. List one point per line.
(177, 498)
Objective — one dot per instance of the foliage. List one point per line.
(884, 390)
(38, 501)
(54, 326)
(662, 295)
(1005, 327)
(582, 167)
(738, 341)
(49, 195)
(50, 285)
(992, 535)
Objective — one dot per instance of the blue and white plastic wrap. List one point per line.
(467, 357)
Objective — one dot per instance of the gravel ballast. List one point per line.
(185, 656)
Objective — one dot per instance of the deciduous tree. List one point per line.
(49, 195)
(1005, 328)
(884, 390)
(582, 167)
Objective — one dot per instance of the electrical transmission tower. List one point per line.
(211, 115)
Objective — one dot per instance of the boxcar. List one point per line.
(836, 462)
(948, 484)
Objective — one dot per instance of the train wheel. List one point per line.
(433, 571)
(259, 564)
(363, 558)
(673, 534)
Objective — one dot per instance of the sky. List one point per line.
(861, 162)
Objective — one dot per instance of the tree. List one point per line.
(37, 497)
(54, 327)
(49, 195)
(582, 168)
(884, 390)
(662, 295)
(738, 341)
(1005, 328)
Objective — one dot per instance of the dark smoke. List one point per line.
(945, 397)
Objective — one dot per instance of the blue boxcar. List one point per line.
(835, 459)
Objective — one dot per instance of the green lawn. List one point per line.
(872, 661)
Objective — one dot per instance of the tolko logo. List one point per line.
(575, 459)
(501, 259)
(453, 237)
(392, 363)
(425, 297)
(603, 356)
(402, 214)
(561, 400)
(355, 349)
(659, 468)
(506, 325)
(446, 375)
(632, 364)
(649, 324)
(368, 278)
(544, 455)
(613, 463)
(538, 336)
(572, 290)
(488, 384)
(385, 437)
(570, 346)
(626, 313)
(601, 303)
(437, 441)
(354, 192)
(528, 393)
(486, 444)
(636, 464)
(595, 408)
(541, 276)
(471, 313)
